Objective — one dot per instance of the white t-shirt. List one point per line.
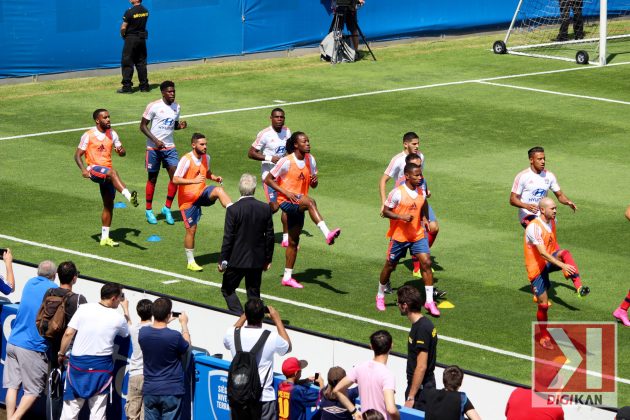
(394, 197)
(283, 165)
(184, 164)
(162, 118)
(533, 187)
(533, 232)
(136, 363)
(274, 345)
(271, 143)
(96, 326)
(396, 167)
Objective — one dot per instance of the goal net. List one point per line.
(585, 31)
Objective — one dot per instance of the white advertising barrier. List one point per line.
(208, 326)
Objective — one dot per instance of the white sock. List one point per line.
(126, 194)
(288, 272)
(190, 255)
(285, 237)
(104, 232)
(429, 291)
(381, 290)
(324, 228)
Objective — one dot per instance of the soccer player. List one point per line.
(96, 144)
(269, 147)
(532, 184)
(192, 171)
(163, 115)
(621, 313)
(395, 170)
(407, 210)
(291, 178)
(543, 256)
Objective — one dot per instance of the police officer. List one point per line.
(134, 32)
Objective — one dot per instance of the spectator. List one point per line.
(26, 360)
(295, 396)
(527, 404)
(372, 414)
(247, 247)
(376, 383)
(449, 403)
(623, 413)
(421, 347)
(278, 342)
(330, 408)
(134, 408)
(162, 349)
(9, 286)
(93, 327)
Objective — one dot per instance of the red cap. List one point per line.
(292, 365)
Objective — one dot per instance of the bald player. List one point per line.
(543, 256)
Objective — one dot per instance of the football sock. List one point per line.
(567, 258)
(170, 194)
(416, 263)
(541, 316)
(288, 272)
(381, 290)
(429, 292)
(149, 191)
(104, 232)
(126, 194)
(626, 303)
(432, 236)
(322, 226)
(285, 237)
(190, 255)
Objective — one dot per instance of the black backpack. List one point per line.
(244, 387)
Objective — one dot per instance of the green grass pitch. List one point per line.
(474, 136)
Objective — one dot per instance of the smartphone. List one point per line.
(176, 314)
(266, 309)
(2, 251)
(316, 375)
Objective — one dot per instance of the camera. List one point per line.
(176, 314)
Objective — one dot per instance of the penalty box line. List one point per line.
(279, 299)
(331, 98)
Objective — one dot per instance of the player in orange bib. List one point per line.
(543, 256)
(190, 176)
(292, 177)
(97, 144)
(407, 210)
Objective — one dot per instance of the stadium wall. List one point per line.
(488, 394)
(55, 36)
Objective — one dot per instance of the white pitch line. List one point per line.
(331, 98)
(551, 92)
(279, 299)
(171, 281)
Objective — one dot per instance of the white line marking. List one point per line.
(278, 299)
(332, 98)
(170, 281)
(278, 101)
(551, 92)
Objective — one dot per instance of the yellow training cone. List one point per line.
(446, 305)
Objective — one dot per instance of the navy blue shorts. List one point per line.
(398, 250)
(166, 157)
(192, 214)
(295, 217)
(99, 174)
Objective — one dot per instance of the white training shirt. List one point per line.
(184, 164)
(396, 167)
(96, 326)
(394, 197)
(85, 138)
(274, 345)
(533, 187)
(283, 165)
(162, 118)
(271, 143)
(533, 232)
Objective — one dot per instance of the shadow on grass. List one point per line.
(120, 235)
(553, 296)
(313, 275)
(211, 260)
(434, 264)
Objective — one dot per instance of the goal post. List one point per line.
(584, 31)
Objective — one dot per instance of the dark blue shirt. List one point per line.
(24, 333)
(300, 398)
(162, 349)
(333, 409)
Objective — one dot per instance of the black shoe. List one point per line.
(145, 89)
(438, 294)
(561, 38)
(124, 90)
(579, 36)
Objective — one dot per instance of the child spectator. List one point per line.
(448, 403)
(330, 408)
(295, 396)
